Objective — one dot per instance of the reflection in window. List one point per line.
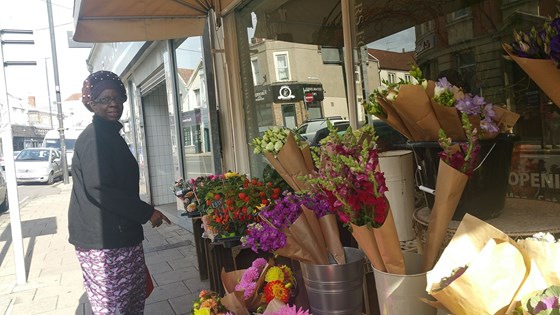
(256, 71)
(392, 77)
(195, 119)
(282, 67)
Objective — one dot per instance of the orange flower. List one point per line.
(276, 289)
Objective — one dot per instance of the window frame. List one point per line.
(276, 68)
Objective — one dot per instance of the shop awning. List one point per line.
(98, 21)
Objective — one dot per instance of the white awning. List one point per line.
(98, 21)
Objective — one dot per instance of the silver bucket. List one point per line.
(336, 289)
(400, 294)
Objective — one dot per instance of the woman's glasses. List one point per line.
(109, 100)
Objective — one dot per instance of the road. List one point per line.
(32, 191)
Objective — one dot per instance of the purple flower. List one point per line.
(554, 46)
(444, 83)
(547, 303)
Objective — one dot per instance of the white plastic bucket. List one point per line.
(400, 294)
(399, 176)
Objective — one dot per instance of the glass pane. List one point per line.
(193, 103)
(292, 77)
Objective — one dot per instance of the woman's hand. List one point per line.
(158, 218)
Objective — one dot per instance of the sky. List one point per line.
(24, 81)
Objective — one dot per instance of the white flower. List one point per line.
(278, 145)
(392, 96)
(438, 90)
(269, 147)
(424, 84)
(544, 237)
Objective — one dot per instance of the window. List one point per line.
(256, 72)
(282, 64)
(407, 78)
(392, 77)
(427, 27)
(459, 14)
(197, 98)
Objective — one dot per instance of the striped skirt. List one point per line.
(115, 279)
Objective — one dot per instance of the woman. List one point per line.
(106, 213)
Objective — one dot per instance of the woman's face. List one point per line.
(108, 105)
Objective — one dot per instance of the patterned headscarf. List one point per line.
(98, 82)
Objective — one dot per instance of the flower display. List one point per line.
(288, 154)
(272, 140)
(461, 156)
(290, 229)
(541, 303)
(539, 44)
(259, 284)
(208, 303)
(537, 52)
(348, 175)
(234, 202)
(185, 192)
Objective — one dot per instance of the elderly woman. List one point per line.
(106, 213)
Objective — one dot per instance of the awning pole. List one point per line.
(349, 63)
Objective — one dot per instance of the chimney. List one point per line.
(31, 101)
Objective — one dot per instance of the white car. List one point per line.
(41, 165)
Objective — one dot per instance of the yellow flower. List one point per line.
(274, 274)
(231, 174)
(202, 311)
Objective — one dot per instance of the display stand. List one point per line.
(200, 247)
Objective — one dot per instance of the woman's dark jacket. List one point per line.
(105, 208)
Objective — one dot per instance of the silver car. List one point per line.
(38, 165)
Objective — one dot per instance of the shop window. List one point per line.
(281, 64)
(289, 116)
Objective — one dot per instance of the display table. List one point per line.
(521, 218)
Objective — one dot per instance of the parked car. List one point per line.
(3, 191)
(38, 165)
(308, 128)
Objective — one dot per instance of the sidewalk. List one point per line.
(54, 281)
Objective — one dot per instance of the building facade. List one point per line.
(261, 63)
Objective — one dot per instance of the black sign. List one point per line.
(288, 93)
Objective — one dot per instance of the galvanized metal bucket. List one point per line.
(400, 294)
(336, 289)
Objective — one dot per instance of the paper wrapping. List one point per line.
(547, 257)
(236, 298)
(489, 283)
(502, 258)
(234, 303)
(393, 118)
(448, 117)
(414, 107)
(303, 235)
(381, 245)
(450, 184)
(505, 119)
(543, 72)
(314, 226)
(291, 158)
(329, 227)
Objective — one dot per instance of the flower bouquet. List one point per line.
(538, 53)
(457, 162)
(418, 111)
(185, 192)
(208, 303)
(348, 174)
(277, 307)
(286, 231)
(545, 250)
(290, 156)
(482, 271)
(234, 203)
(259, 284)
(541, 303)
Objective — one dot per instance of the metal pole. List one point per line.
(58, 100)
(349, 63)
(49, 92)
(8, 148)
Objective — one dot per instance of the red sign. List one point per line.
(309, 97)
